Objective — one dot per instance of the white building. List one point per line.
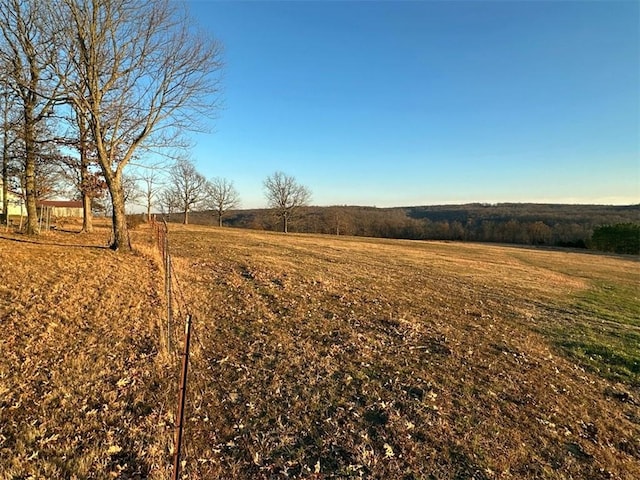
(16, 204)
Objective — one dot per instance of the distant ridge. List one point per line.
(567, 225)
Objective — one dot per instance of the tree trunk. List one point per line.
(185, 220)
(219, 219)
(120, 239)
(285, 226)
(30, 197)
(5, 179)
(30, 175)
(149, 195)
(5, 160)
(87, 216)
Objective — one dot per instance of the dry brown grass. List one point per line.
(83, 393)
(318, 357)
(355, 358)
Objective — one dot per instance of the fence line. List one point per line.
(161, 231)
(167, 281)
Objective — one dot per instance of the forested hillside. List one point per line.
(526, 223)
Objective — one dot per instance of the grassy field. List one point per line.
(319, 357)
(83, 390)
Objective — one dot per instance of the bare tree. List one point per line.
(30, 52)
(131, 190)
(151, 181)
(81, 169)
(338, 220)
(188, 186)
(140, 74)
(222, 197)
(285, 195)
(91, 185)
(169, 201)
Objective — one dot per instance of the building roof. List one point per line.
(60, 203)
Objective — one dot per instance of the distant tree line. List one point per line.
(576, 226)
(620, 238)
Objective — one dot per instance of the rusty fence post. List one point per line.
(159, 240)
(182, 395)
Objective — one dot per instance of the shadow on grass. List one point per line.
(54, 244)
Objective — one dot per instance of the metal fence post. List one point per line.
(169, 300)
(182, 395)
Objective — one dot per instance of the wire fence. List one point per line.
(176, 304)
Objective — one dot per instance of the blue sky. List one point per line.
(419, 103)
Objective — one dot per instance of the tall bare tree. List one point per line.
(188, 186)
(30, 52)
(285, 195)
(140, 75)
(221, 197)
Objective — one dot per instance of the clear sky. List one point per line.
(425, 102)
